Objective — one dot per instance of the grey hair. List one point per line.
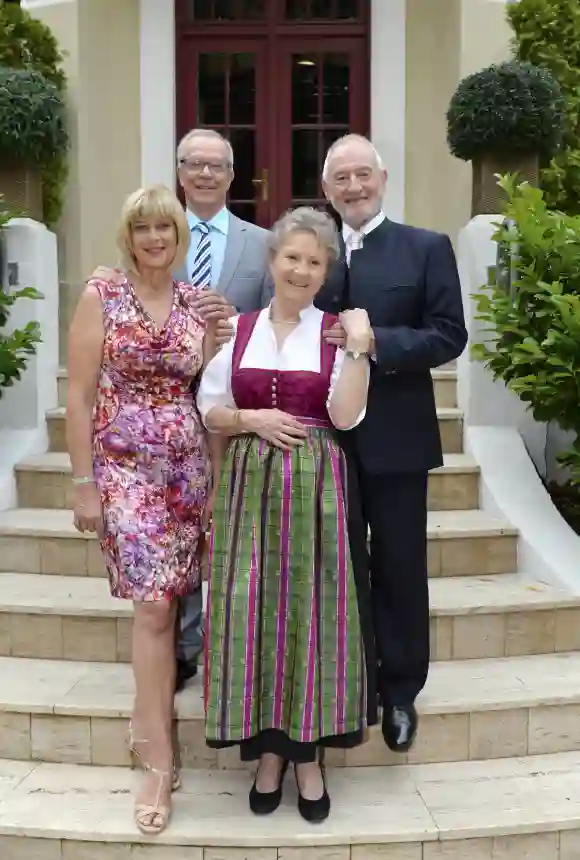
(350, 138)
(204, 132)
(306, 219)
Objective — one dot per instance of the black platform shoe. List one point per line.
(314, 811)
(264, 803)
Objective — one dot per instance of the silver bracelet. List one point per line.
(84, 480)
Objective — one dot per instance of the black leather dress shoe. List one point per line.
(185, 671)
(400, 727)
(264, 803)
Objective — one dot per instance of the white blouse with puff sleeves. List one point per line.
(300, 351)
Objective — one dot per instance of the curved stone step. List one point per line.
(507, 810)
(471, 617)
(41, 540)
(474, 709)
(43, 481)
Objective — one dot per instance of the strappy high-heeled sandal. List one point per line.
(152, 819)
(137, 759)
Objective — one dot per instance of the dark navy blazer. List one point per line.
(407, 280)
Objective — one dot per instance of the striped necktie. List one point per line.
(201, 274)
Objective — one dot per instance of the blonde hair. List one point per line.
(156, 201)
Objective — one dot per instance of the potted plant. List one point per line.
(32, 130)
(16, 345)
(508, 118)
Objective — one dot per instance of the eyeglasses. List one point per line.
(196, 166)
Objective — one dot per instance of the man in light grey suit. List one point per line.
(238, 249)
(228, 258)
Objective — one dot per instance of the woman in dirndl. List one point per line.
(286, 671)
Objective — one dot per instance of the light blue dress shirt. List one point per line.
(218, 236)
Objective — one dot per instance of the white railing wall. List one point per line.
(513, 450)
(29, 257)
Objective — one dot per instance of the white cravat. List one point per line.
(353, 243)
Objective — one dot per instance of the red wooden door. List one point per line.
(225, 84)
(322, 96)
(281, 79)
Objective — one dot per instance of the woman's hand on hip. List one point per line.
(279, 428)
(88, 509)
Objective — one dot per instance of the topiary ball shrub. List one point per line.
(32, 117)
(506, 109)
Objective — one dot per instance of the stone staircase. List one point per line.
(495, 772)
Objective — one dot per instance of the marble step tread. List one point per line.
(511, 809)
(38, 594)
(59, 461)
(72, 688)
(74, 617)
(48, 522)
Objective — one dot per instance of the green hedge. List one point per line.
(26, 43)
(547, 34)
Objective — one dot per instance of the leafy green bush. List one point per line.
(534, 322)
(16, 347)
(547, 33)
(505, 108)
(32, 117)
(26, 42)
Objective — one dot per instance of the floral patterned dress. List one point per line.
(150, 455)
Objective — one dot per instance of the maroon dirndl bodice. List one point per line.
(301, 393)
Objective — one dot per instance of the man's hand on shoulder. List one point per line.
(211, 306)
(224, 332)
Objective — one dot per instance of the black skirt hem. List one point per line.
(277, 742)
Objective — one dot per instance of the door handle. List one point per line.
(263, 183)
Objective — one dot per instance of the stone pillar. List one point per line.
(101, 41)
(445, 41)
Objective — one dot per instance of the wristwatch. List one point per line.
(355, 354)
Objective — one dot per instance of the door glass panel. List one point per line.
(305, 164)
(212, 88)
(244, 145)
(246, 211)
(227, 103)
(304, 89)
(336, 73)
(348, 9)
(321, 9)
(226, 10)
(320, 115)
(324, 10)
(242, 96)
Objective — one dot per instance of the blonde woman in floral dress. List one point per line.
(140, 463)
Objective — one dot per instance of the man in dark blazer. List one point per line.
(407, 280)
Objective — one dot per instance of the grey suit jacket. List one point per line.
(245, 277)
